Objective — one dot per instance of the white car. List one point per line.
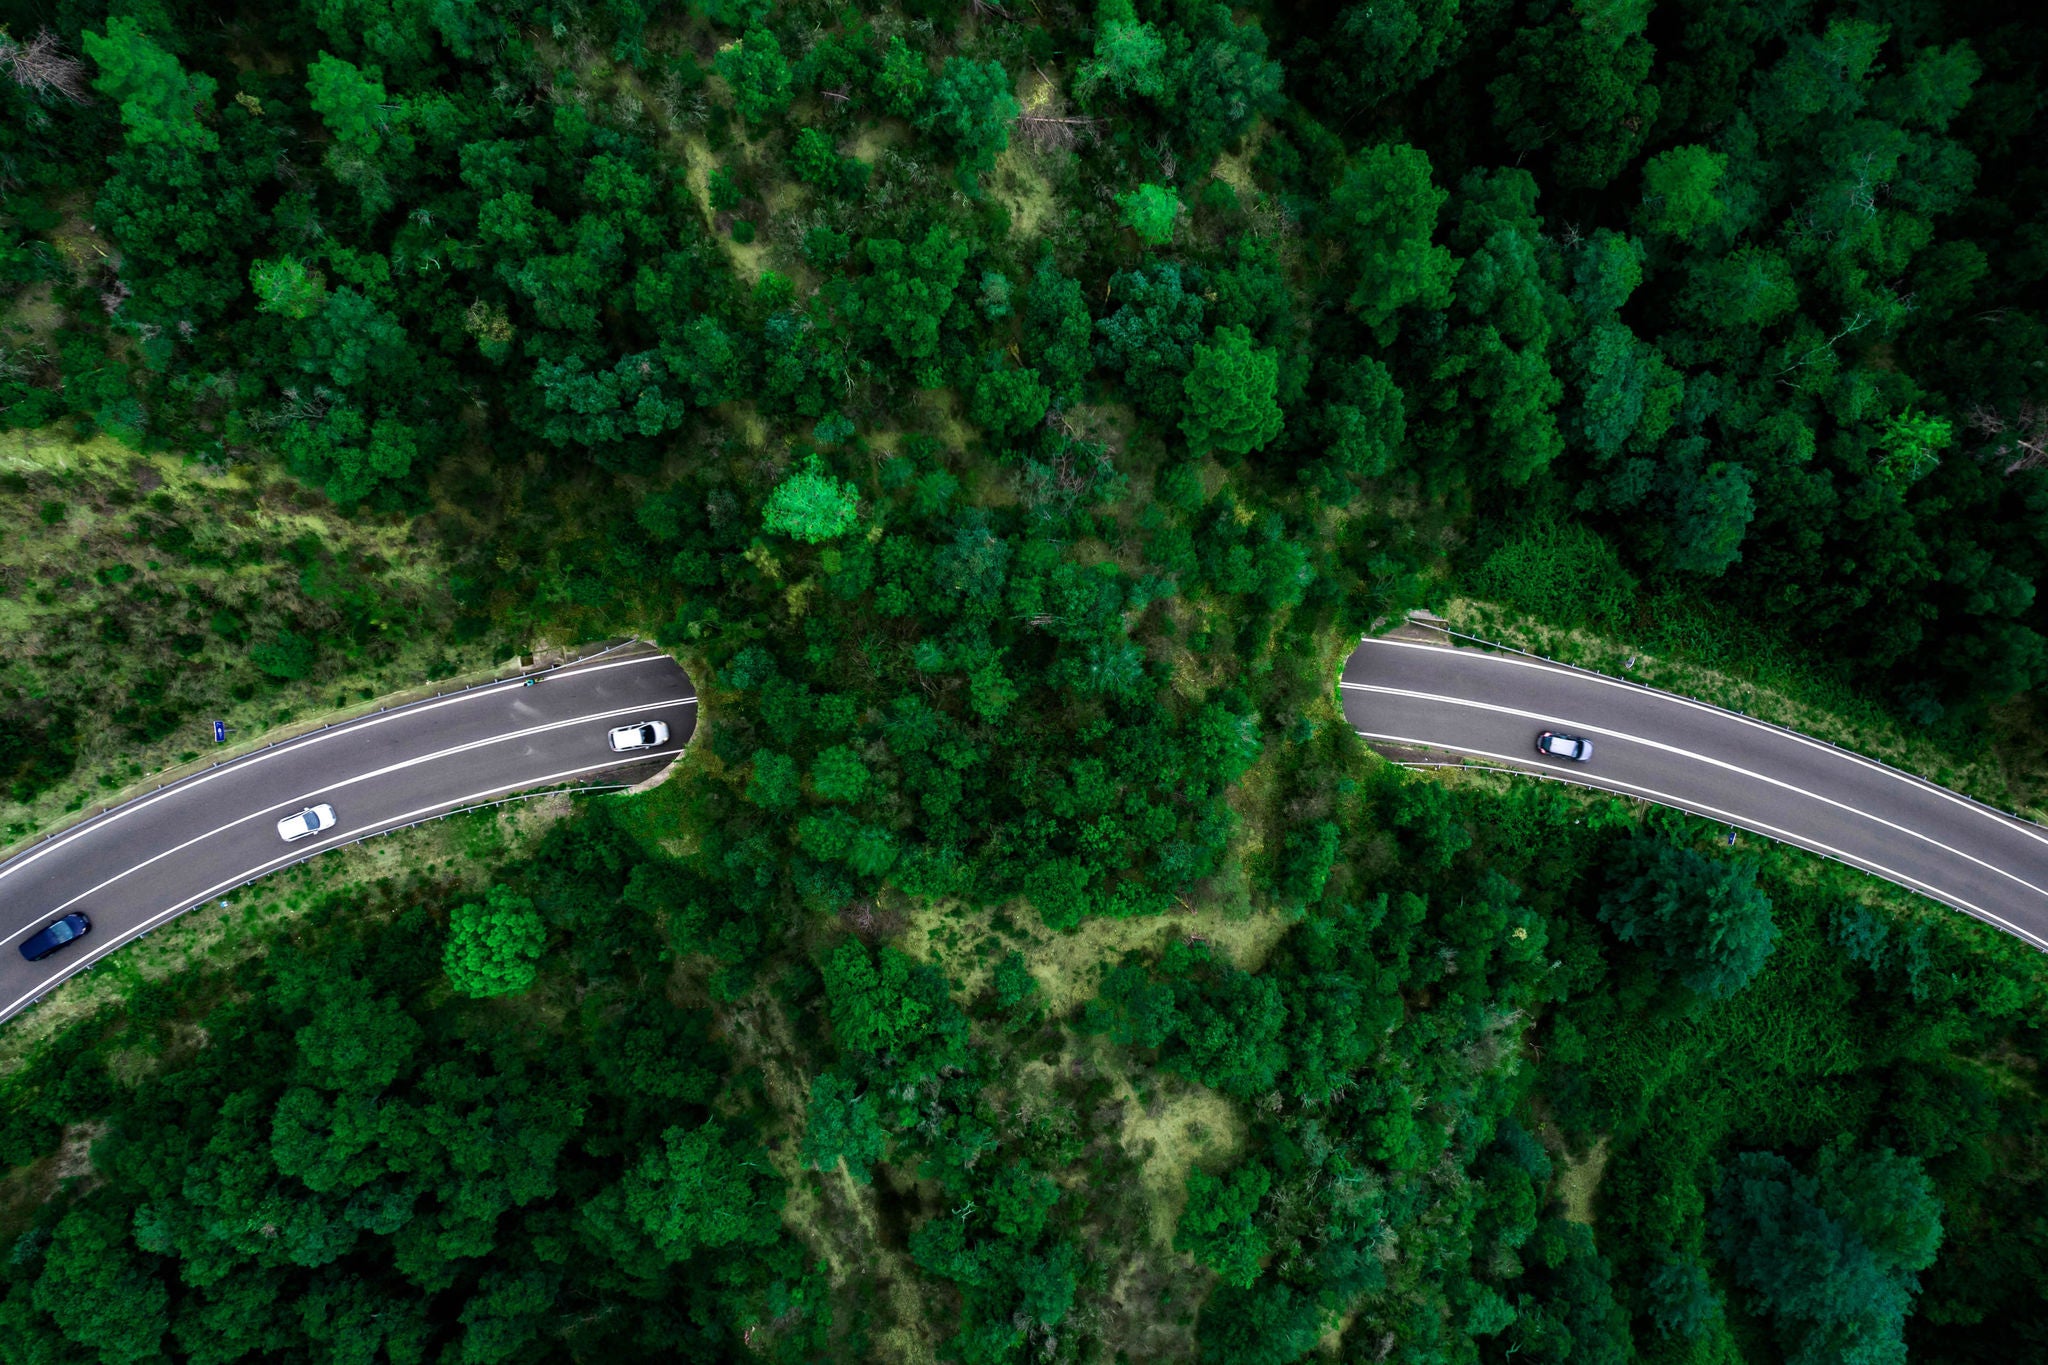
(646, 735)
(311, 820)
(1551, 744)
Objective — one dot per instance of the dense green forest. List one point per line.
(1011, 413)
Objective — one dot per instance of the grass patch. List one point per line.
(142, 597)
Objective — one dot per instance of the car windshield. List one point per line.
(647, 734)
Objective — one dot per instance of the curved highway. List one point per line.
(153, 858)
(1679, 752)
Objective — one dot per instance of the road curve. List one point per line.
(1684, 753)
(147, 861)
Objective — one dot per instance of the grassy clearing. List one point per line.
(967, 943)
(142, 597)
(1578, 1180)
(1769, 681)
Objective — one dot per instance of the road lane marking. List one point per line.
(1582, 778)
(300, 743)
(297, 855)
(2025, 827)
(296, 802)
(1541, 718)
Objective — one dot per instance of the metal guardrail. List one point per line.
(577, 789)
(604, 649)
(1466, 765)
(1439, 625)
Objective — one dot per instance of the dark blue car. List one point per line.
(55, 935)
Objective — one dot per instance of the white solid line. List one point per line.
(1539, 717)
(297, 855)
(297, 743)
(1581, 778)
(298, 802)
(2027, 828)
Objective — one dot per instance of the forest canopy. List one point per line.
(1009, 413)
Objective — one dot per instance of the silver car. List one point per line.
(648, 734)
(311, 820)
(1551, 744)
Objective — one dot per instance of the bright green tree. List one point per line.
(160, 101)
(1912, 443)
(811, 505)
(353, 104)
(494, 946)
(1150, 211)
(1230, 395)
(286, 287)
(1681, 192)
(904, 79)
(1130, 56)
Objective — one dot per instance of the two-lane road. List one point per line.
(155, 857)
(1684, 753)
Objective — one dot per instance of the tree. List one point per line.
(1216, 1226)
(1710, 515)
(286, 287)
(904, 79)
(695, 1191)
(104, 1296)
(758, 76)
(1579, 82)
(355, 107)
(872, 1006)
(356, 1041)
(1681, 1299)
(494, 947)
(971, 107)
(1833, 1256)
(1230, 388)
(159, 101)
(1150, 340)
(1704, 920)
(1363, 426)
(1681, 192)
(1008, 401)
(811, 505)
(1130, 56)
(1384, 212)
(775, 784)
(1225, 83)
(1912, 444)
(1150, 211)
(838, 774)
(1385, 47)
(840, 1124)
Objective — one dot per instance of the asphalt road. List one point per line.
(153, 858)
(1715, 763)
